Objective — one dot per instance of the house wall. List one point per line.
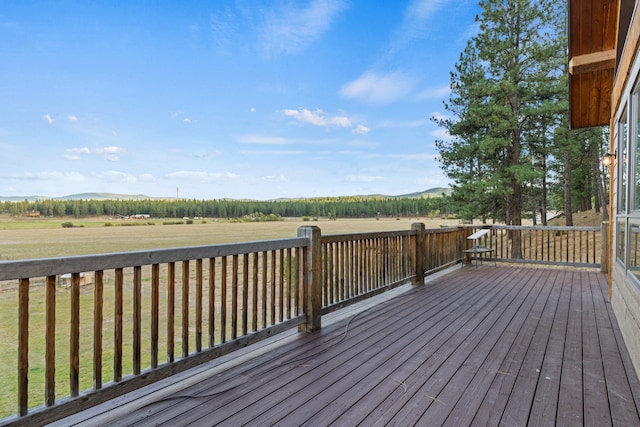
(625, 277)
(625, 301)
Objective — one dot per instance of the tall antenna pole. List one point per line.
(177, 193)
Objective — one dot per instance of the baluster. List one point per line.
(50, 352)
(185, 308)
(23, 346)
(223, 300)
(234, 297)
(212, 301)
(137, 318)
(155, 322)
(117, 328)
(199, 305)
(171, 303)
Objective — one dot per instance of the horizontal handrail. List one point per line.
(73, 264)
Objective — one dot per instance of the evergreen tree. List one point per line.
(503, 93)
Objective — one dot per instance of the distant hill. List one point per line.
(433, 192)
(105, 196)
(81, 196)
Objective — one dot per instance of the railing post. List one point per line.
(605, 254)
(312, 279)
(420, 253)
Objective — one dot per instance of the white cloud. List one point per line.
(74, 153)
(420, 10)
(318, 118)
(361, 130)
(414, 26)
(223, 32)
(439, 116)
(180, 115)
(108, 153)
(272, 152)
(116, 176)
(48, 118)
(378, 89)
(441, 133)
(363, 178)
(72, 118)
(202, 176)
(214, 153)
(289, 29)
(434, 93)
(82, 150)
(253, 110)
(262, 140)
(471, 31)
(404, 157)
(402, 123)
(274, 178)
(46, 176)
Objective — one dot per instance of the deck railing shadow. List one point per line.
(91, 328)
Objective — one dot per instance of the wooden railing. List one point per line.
(557, 245)
(141, 316)
(90, 328)
(356, 266)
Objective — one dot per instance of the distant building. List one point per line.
(140, 216)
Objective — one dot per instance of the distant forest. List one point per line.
(340, 207)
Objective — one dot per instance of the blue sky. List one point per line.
(225, 99)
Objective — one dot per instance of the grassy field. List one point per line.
(22, 238)
(25, 238)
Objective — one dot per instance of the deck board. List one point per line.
(497, 345)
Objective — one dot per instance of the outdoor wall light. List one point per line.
(609, 158)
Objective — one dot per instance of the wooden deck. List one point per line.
(493, 346)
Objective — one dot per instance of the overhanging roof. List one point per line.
(593, 36)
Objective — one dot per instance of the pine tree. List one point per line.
(504, 95)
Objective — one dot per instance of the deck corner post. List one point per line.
(605, 247)
(313, 279)
(420, 252)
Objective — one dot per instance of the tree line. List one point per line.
(342, 207)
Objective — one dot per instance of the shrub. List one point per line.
(108, 224)
(67, 225)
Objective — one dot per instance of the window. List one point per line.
(634, 250)
(623, 131)
(620, 240)
(633, 168)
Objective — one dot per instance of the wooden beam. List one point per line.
(629, 52)
(593, 62)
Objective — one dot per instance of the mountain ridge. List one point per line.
(432, 192)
